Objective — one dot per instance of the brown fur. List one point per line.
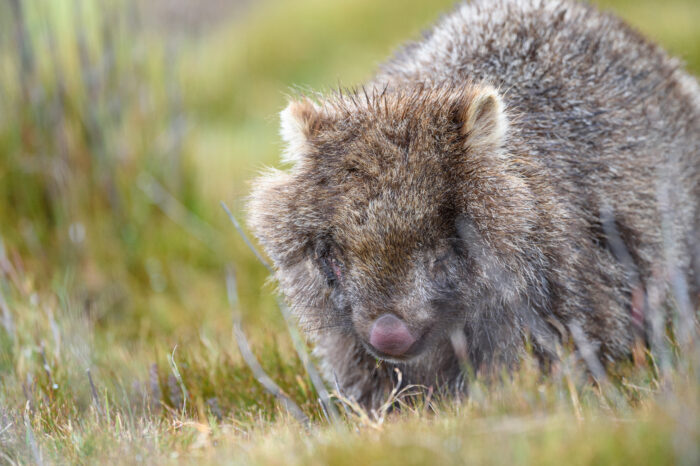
(527, 167)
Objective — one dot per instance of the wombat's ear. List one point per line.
(298, 123)
(483, 119)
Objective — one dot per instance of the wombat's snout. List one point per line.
(390, 335)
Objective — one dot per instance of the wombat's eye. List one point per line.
(331, 269)
(329, 264)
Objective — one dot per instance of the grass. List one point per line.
(116, 146)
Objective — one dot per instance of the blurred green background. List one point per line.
(122, 126)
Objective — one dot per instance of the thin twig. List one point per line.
(250, 359)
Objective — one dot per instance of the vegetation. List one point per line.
(118, 139)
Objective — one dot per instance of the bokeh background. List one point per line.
(122, 126)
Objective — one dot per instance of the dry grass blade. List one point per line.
(587, 352)
(251, 360)
(31, 440)
(375, 418)
(315, 376)
(247, 241)
(177, 212)
(178, 377)
(93, 391)
(7, 321)
(297, 341)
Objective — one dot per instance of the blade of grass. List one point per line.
(250, 359)
(178, 377)
(297, 340)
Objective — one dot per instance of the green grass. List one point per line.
(98, 271)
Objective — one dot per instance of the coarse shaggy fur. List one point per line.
(527, 171)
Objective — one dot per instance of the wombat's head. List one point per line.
(388, 226)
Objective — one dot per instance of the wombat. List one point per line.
(527, 172)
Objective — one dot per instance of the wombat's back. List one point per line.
(614, 121)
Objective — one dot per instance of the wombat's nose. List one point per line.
(390, 335)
